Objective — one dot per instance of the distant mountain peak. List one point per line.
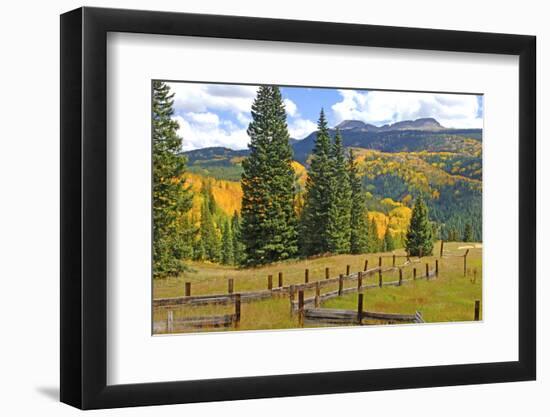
(424, 123)
(350, 124)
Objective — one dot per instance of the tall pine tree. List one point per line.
(419, 240)
(358, 214)
(468, 233)
(209, 238)
(339, 214)
(227, 244)
(374, 243)
(238, 248)
(315, 215)
(172, 198)
(268, 228)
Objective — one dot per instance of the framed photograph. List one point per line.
(257, 208)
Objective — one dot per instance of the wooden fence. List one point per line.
(228, 298)
(200, 322)
(347, 317)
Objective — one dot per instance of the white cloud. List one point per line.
(199, 98)
(380, 107)
(203, 130)
(291, 108)
(300, 128)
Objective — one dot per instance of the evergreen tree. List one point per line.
(358, 214)
(238, 249)
(339, 215)
(315, 215)
(374, 243)
(419, 240)
(468, 233)
(227, 244)
(389, 244)
(208, 233)
(268, 229)
(172, 198)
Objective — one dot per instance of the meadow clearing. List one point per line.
(449, 297)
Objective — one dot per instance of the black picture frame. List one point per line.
(84, 207)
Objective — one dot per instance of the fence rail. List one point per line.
(343, 317)
(228, 298)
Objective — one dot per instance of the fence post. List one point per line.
(280, 279)
(465, 263)
(441, 249)
(379, 262)
(366, 265)
(436, 268)
(475, 276)
(301, 307)
(230, 285)
(340, 284)
(360, 309)
(427, 270)
(187, 289)
(327, 273)
(400, 276)
(359, 280)
(291, 295)
(317, 294)
(237, 309)
(393, 260)
(170, 321)
(306, 276)
(476, 311)
(270, 282)
(347, 270)
(380, 278)
(414, 273)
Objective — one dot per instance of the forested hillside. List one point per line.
(444, 165)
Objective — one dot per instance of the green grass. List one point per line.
(450, 297)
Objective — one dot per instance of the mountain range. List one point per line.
(425, 134)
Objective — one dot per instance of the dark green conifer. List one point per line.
(172, 198)
(315, 215)
(358, 215)
(339, 215)
(268, 229)
(419, 240)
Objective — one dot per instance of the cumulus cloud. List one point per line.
(291, 108)
(203, 130)
(200, 98)
(300, 128)
(381, 107)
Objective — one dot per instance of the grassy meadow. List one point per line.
(450, 297)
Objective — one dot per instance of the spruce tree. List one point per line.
(208, 234)
(358, 214)
(227, 244)
(315, 215)
(339, 215)
(389, 243)
(468, 233)
(238, 249)
(419, 240)
(268, 229)
(374, 242)
(172, 198)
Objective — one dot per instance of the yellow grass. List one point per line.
(450, 297)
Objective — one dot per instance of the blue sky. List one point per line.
(218, 114)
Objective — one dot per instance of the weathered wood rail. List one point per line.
(198, 322)
(228, 298)
(336, 316)
(346, 317)
(318, 298)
